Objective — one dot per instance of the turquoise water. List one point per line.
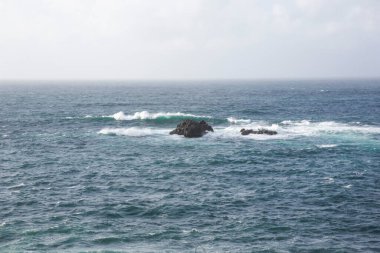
(91, 167)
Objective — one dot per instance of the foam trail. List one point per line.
(233, 131)
(133, 131)
(238, 121)
(293, 129)
(310, 128)
(145, 115)
(16, 187)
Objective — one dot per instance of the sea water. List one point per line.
(90, 166)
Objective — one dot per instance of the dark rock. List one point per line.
(246, 131)
(191, 128)
(259, 131)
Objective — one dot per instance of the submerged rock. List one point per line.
(259, 131)
(191, 128)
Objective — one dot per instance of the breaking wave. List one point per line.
(145, 115)
(292, 129)
(133, 131)
(309, 128)
(238, 121)
(231, 128)
(233, 131)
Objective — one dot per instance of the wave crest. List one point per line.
(145, 115)
(327, 146)
(234, 120)
(131, 131)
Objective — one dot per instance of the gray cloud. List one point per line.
(180, 39)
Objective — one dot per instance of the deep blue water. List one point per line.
(91, 167)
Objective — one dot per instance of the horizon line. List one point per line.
(187, 79)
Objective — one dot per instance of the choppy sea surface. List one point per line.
(90, 167)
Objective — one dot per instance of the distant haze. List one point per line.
(189, 39)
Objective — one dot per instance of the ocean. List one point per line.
(91, 167)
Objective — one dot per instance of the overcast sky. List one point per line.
(189, 39)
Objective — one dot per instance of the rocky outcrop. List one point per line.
(191, 128)
(259, 131)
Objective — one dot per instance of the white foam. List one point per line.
(119, 116)
(16, 187)
(81, 117)
(233, 131)
(133, 131)
(237, 121)
(311, 128)
(143, 115)
(193, 230)
(327, 146)
(296, 123)
(286, 129)
(329, 180)
(292, 129)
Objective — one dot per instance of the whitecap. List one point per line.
(81, 117)
(306, 127)
(119, 116)
(327, 146)
(233, 131)
(293, 129)
(237, 121)
(16, 187)
(347, 186)
(133, 131)
(296, 123)
(193, 230)
(286, 129)
(144, 115)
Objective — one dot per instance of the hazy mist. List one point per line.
(189, 39)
